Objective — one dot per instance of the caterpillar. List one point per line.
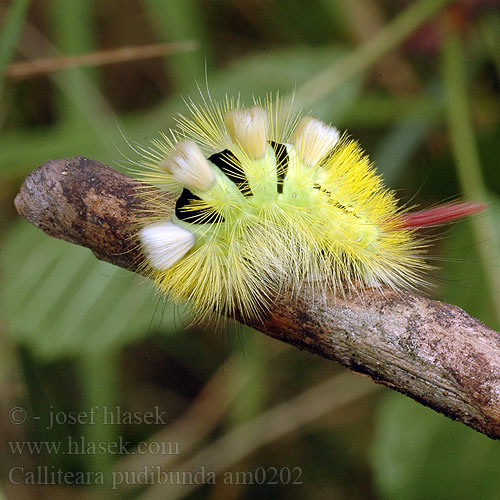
(265, 200)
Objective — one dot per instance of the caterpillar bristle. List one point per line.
(266, 203)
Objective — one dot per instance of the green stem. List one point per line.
(72, 24)
(10, 33)
(81, 106)
(179, 21)
(97, 375)
(367, 54)
(251, 374)
(467, 161)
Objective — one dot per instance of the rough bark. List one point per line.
(433, 352)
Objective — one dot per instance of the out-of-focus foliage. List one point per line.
(418, 454)
(77, 333)
(59, 300)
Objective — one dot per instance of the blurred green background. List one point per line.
(90, 355)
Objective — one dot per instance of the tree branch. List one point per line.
(430, 351)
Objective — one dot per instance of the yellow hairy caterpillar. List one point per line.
(270, 200)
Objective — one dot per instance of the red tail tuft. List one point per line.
(440, 215)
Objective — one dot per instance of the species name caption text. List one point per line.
(155, 475)
(102, 415)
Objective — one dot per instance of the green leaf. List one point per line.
(398, 146)
(407, 134)
(59, 300)
(419, 454)
(283, 70)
